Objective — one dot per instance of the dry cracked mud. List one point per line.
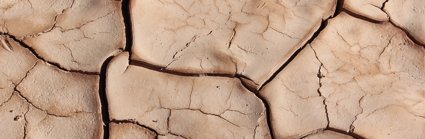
(205, 69)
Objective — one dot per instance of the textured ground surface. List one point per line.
(206, 69)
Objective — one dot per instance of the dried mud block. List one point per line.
(130, 131)
(409, 15)
(248, 37)
(371, 9)
(74, 34)
(296, 107)
(183, 106)
(63, 104)
(373, 79)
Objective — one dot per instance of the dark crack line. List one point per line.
(57, 65)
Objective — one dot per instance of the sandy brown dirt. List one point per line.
(207, 69)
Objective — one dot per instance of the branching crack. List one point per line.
(57, 65)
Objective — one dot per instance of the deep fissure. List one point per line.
(103, 98)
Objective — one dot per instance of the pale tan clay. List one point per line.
(367, 8)
(130, 131)
(373, 79)
(77, 126)
(12, 115)
(189, 107)
(75, 34)
(212, 69)
(248, 37)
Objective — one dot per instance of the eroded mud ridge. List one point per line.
(201, 69)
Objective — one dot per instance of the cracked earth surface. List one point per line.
(200, 69)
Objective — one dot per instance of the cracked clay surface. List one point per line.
(208, 69)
